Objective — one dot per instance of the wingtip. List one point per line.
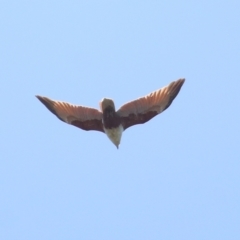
(48, 104)
(39, 97)
(176, 85)
(181, 80)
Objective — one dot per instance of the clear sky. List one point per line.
(175, 177)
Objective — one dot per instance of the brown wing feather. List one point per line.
(83, 117)
(143, 109)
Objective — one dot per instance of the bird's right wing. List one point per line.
(143, 109)
(83, 117)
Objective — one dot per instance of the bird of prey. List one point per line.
(110, 121)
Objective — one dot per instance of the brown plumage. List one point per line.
(112, 122)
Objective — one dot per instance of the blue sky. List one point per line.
(176, 177)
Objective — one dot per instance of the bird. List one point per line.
(109, 121)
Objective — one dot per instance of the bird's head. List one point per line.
(106, 102)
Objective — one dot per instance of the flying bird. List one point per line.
(110, 121)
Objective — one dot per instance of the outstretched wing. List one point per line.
(83, 117)
(143, 109)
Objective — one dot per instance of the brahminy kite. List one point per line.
(110, 121)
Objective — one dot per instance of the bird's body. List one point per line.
(113, 122)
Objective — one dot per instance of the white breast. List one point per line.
(115, 134)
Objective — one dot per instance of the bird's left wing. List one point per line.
(143, 109)
(83, 117)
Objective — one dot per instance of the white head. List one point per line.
(105, 102)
